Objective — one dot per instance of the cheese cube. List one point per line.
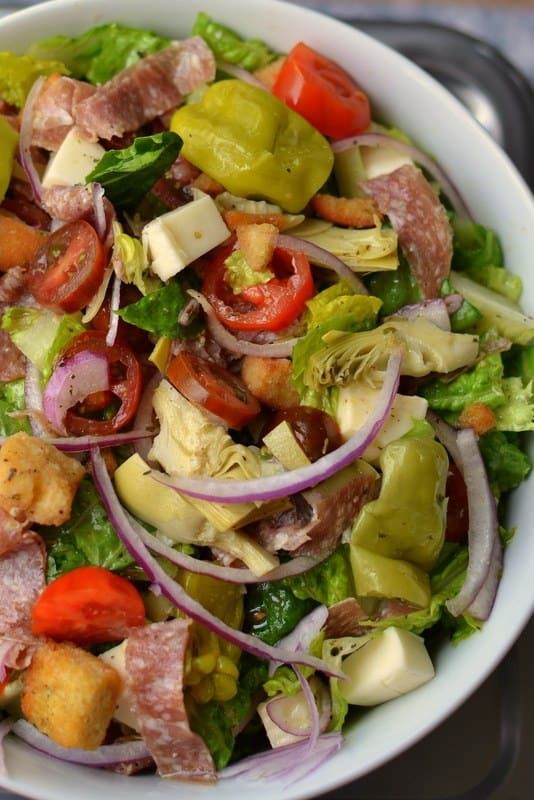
(392, 664)
(174, 240)
(74, 160)
(357, 400)
(382, 160)
(116, 658)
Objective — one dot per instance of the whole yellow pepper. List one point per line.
(8, 144)
(252, 144)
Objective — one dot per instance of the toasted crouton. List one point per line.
(206, 184)
(233, 218)
(355, 212)
(478, 416)
(268, 75)
(257, 243)
(70, 695)
(269, 379)
(37, 482)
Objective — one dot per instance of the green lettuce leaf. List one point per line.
(12, 399)
(19, 73)
(240, 275)
(520, 363)
(87, 538)
(498, 279)
(466, 316)
(506, 464)
(127, 175)
(132, 257)
(517, 413)
(41, 335)
(101, 52)
(272, 610)
(158, 313)
(474, 245)
(228, 46)
(339, 300)
(482, 384)
(328, 582)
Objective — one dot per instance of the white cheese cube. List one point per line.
(74, 160)
(116, 658)
(392, 664)
(357, 400)
(294, 710)
(382, 159)
(174, 240)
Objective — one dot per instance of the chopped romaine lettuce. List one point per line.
(100, 52)
(498, 279)
(12, 399)
(158, 313)
(134, 261)
(41, 335)
(127, 175)
(506, 464)
(517, 412)
(339, 300)
(327, 583)
(87, 538)
(474, 245)
(284, 681)
(240, 275)
(272, 610)
(251, 54)
(19, 73)
(466, 316)
(482, 384)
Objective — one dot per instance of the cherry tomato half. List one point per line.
(267, 307)
(68, 268)
(126, 384)
(323, 93)
(213, 388)
(457, 509)
(87, 606)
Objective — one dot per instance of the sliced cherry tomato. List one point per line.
(88, 606)
(267, 307)
(323, 93)
(126, 385)
(68, 268)
(457, 509)
(213, 388)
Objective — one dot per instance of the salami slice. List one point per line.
(344, 619)
(12, 362)
(53, 115)
(155, 667)
(68, 203)
(420, 221)
(22, 579)
(146, 90)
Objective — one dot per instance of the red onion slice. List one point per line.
(219, 490)
(376, 139)
(81, 444)
(25, 140)
(5, 727)
(101, 223)
(241, 74)
(320, 711)
(483, 527)
(453, 302)
(289, 763)
(434, 311)
(174, 592)
(113, 308)
(323, 258)
(481, 606)
(71, 382)
(296, 566)
(234, 345)
(108, 755)
(143, 418)
(303, 633)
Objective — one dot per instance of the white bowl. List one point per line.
(413, 101)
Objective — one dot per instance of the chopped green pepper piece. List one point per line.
(379, 576)
(254, 145)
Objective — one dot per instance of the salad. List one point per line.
(263, 387)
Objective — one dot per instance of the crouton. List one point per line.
(478, 416)
(355, 212)
(268, 75)
(206, 184)
(37, 482)
(70, 695)
(257, 243)
(269, 379)
(233, 218)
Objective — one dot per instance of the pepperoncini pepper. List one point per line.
(247, 140)
(8, 144)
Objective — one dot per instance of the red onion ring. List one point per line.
(303, 633)
(482, 574)
(481, 606)
(107, 755)
(81, 444)
(453, 302)
(375, 139)
(143, 418)
(320, 712)
(72, 380)
(434, 311)
(240, 346)
(5, 727)
(114, 307)
(289, 763)
(297, 566)
(241, 74)
(323, 258)
(174, 592)
(101, 223)
(219, 490)
(25, 140)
